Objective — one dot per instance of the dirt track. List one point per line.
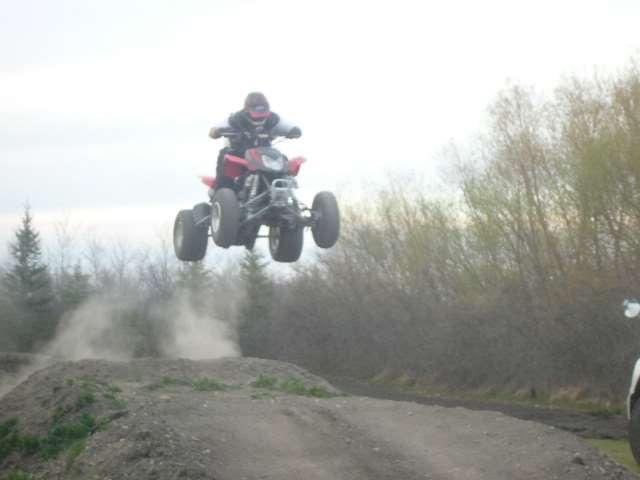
(587, 425)
(162, 427)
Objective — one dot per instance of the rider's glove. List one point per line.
(213, 133)
(295, 132)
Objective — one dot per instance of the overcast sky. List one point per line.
(105, 105)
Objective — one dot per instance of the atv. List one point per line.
(262, 193)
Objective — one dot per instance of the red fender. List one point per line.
(294, 165)
(209, 181)
(235, 166)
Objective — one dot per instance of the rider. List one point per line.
(254, 119)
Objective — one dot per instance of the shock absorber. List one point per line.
(252, 188)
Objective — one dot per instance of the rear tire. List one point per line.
(189, 239)
(327, 228)
(225, 217)
(285, 244)
(634, 432)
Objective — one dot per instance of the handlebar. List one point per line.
(228, 132)
(232, 133)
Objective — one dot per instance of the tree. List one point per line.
(194, 280)
(255, 310)
(28, 286)
(74, 288)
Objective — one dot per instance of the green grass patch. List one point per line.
(169, 382)
(7, 427)
(199, 385)
(541, 399)
(103, 423)
(111, 394)
(75, 450)
(319, 392)
(114, 389)
(84, 400)
(59, 413)
(208, 385)
(17, 475)
(62, 435)
(592, 407)
(9, 438)
(265, 381)
(292, 386)
(618, 450)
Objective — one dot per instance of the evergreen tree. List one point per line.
(255, 310)
(8, 341)
(74, 288)
(194, 279)
(28, 285)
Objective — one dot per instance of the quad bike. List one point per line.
(262, 193)
(632, 310)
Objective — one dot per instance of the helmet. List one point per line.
(257, 108)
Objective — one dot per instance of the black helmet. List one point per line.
(257, 107)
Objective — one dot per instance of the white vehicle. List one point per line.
(632, 310)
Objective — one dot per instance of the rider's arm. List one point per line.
(214, 131)
(285, 129)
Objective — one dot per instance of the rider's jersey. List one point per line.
(274, 125)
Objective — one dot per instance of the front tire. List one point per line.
(326, 230)
(189, 239)
(225, 217)
(634, 432)
(285, 244)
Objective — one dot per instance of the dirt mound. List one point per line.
(243, 418)
(12, 363)
(15, 367)
(62, 421)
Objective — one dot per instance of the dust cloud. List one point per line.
(93, 330)
(197, 337)
(104, 327)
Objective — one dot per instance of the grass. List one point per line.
(292, 386)
(207, 385)
(75, 450)
(618, 450)
(199, 385)
(545, 400)
(84, 399)
(17, 475)
(168, 382)
(114, 389)
(63, 434)
(542, 399)
(69, 430)
(265, 381)
(8, 426)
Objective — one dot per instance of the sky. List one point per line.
(105, 105)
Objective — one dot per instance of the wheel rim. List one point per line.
(215, 217)
(177, 235)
